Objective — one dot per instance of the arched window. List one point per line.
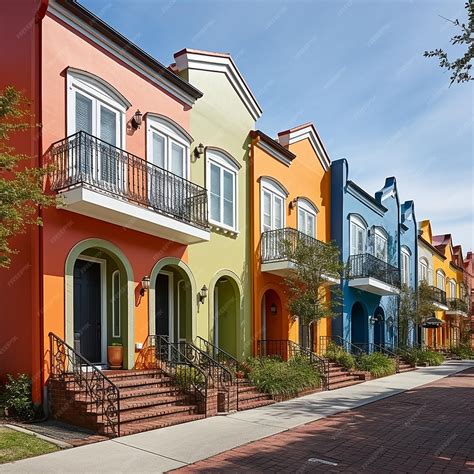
(358, 235)
(424, 270)
(222, 173)
(272, 203)
(168, 145)
(452, 289)
(405, 264)
(441, 280)
(307, 217)
(381, 244)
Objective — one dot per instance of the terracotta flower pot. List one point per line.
(115, 356)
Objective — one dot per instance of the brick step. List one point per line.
(248, 405)
(254, 397)
(342, 378)
(116, 375)
(338, 373)
(161, 401)
(347, 383)
(142, 381)
(133, 427)
(247, 388)
(155, 412)
(148, 391)
(406, 369)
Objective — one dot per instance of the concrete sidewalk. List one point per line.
(177, 446)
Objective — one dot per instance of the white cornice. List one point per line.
(308, 132)
(89, 32)
(274, 153)
(223, 63)
(354, 192)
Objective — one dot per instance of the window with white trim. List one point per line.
(380, 245)
(272, 206)
(424, 270)
(116, 304)
(440, 280)
(167, 146)
(358, 235)
(452, 289)
(96, 109)
(307, 215)
(222, 185)
(405, 265)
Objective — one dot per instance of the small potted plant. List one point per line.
(115, 355)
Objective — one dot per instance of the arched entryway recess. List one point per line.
(99, 300)
(359, 329)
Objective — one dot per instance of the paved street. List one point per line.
(428, 429)
(394, 423)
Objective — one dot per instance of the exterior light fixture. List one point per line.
(273, 308)
(199, 150)
(372, 320)
(293, 203)
(145, 285)
(389, 322)
(203, 294)
(137, 120)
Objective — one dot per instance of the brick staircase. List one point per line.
(147, 402)
(249, 396)
(340, 377)
(405, 366)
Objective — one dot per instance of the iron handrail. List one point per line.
(457, 304)
(439, 295)
(287, 349)
(325, 341)
(218, 354)
(370, 348)
(99, 390)
(83, 159)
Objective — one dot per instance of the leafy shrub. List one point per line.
(18, 396)
(379, 365)
(283, 378)
(338, 355)
(463, 352)
(186, 377)
(418, 357)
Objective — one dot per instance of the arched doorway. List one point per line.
(173, 304)
(379, 326)
(226, 314)
(272, 333)
(359, 330)
(99, 301)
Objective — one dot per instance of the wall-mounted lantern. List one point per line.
(145, 285)
(293, 203)
(199, 151)
(202, 294)
(137, 120)
(273, 309)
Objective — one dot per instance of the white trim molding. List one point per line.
(221, 63)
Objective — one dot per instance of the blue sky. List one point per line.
(355, 69)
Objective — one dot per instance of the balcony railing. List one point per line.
(456, 304)
(439, 296)
(367, 266)
(84, 160)
(280, 244)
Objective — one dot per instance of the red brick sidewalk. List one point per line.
(429, 429)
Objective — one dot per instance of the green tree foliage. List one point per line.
(460, 68)
(425, 306)
(21, 190)
(314, 262)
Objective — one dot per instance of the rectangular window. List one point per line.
(215, 193)
(381, 247)
(357, 239)
(177, 165)
(228, 201)
(222, 191)
(405, 270)
(272, 210)
(116, 303)
(306, 222)
(158, 150)
(267, 211)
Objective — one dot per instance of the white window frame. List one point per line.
(423, 263)
(308, 209)
(452, 286)
(115, 294)
(380, 233)
(224, 163)
(440, 276)
(405, 265)
(356, 221)
(100, 95)
(275, 191)
(170, 134)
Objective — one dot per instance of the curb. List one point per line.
(61, 444)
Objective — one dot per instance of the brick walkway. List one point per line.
(429, 429)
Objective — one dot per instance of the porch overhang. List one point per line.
(441, 306)
(455, 313)
(284, 268)
(372, 285)
(95, 203)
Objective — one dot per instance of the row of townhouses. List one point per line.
(173, 205)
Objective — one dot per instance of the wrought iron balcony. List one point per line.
(439, 296)
(457, 305)
(278, 246)
(371, 274)
(85, 164)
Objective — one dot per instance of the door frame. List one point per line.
(103, 306)
(170, 276)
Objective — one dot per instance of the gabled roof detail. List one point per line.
(302, 132)
(389, 190)
(223, 63)
(273, 148)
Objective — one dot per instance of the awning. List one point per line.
(432, 322)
